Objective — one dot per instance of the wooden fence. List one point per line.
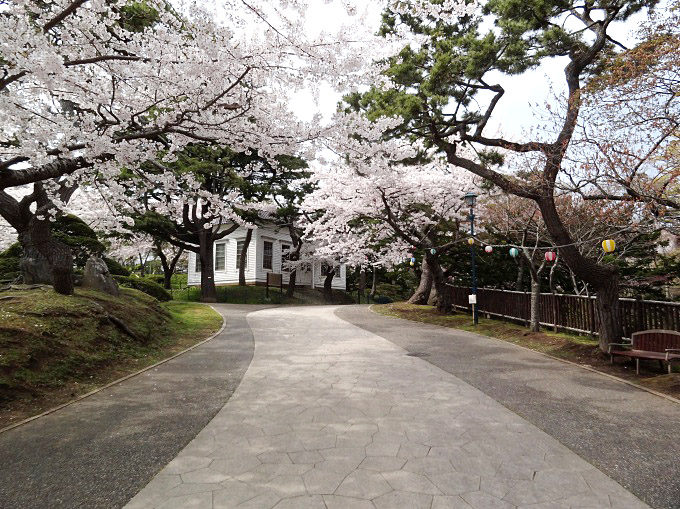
(569, 312)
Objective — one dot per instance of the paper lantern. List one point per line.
(433, 251)
(411, 264)
(514, 252)
(550, 256)
(413, 260)
(488, 249)
(608, 245)
(471, 241)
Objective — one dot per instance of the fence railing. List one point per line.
(569, 312)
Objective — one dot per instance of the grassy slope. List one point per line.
(54, 347)
(256, 295)
(579, 349)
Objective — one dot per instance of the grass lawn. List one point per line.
(257, 295)
(54, 348)
(579, 349)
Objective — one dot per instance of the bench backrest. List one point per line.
(656, 340)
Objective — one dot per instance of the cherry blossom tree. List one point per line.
(375, 202)
(91, 87)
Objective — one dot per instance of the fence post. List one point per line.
(555, 311)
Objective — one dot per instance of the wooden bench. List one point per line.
(661, 345)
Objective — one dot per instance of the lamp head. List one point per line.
(470, 199)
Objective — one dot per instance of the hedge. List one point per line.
(115, 268)
(144, 285)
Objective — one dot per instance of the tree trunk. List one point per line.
(534, 321)
(362, 284)
(45, 259)
(168, 267)
(374, 282)
(208, 289)
(328, 285)
(244, 257)
(439, 282)
(520, 274)
(422, 293)
(552, 275)
(609, 312)
(142, 265)
(434, 297)
(291, 283)
(603, 278)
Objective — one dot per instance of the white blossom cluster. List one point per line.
(85, 94)
(371, 179)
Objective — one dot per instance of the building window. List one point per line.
(197, 264)
(239, 250)
(220, 254)
(268, 255)
(285, 256)
(337, 272)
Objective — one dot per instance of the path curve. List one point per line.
(628, 433)
(329, 415)
(100, 451)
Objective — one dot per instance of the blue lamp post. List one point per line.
(470, 200)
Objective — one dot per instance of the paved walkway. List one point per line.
(631, 435)
(329, 415)
(102, 450)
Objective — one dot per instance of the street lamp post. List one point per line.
(470, 199)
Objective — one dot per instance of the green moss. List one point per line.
(145, 285)
(48, 341)
(568, 346)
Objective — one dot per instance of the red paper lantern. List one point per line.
(550, 256)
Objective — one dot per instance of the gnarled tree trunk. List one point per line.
(45, 259)
(439, 282)
(422, 293)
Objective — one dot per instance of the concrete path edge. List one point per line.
(565, 361)
(119, 380)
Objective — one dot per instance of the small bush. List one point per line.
(159, 279)
(9, 262)
(13, 251)
(115, 268)
(382, 299)
(144, 285)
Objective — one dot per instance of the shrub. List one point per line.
(144, 285)
(159, 279)
(115, 268)
(394, 292)
(9, 262)
(382, 299)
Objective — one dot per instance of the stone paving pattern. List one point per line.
(627, 433)
(100, 451)
(332, 416)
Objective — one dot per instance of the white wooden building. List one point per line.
(266, 253)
